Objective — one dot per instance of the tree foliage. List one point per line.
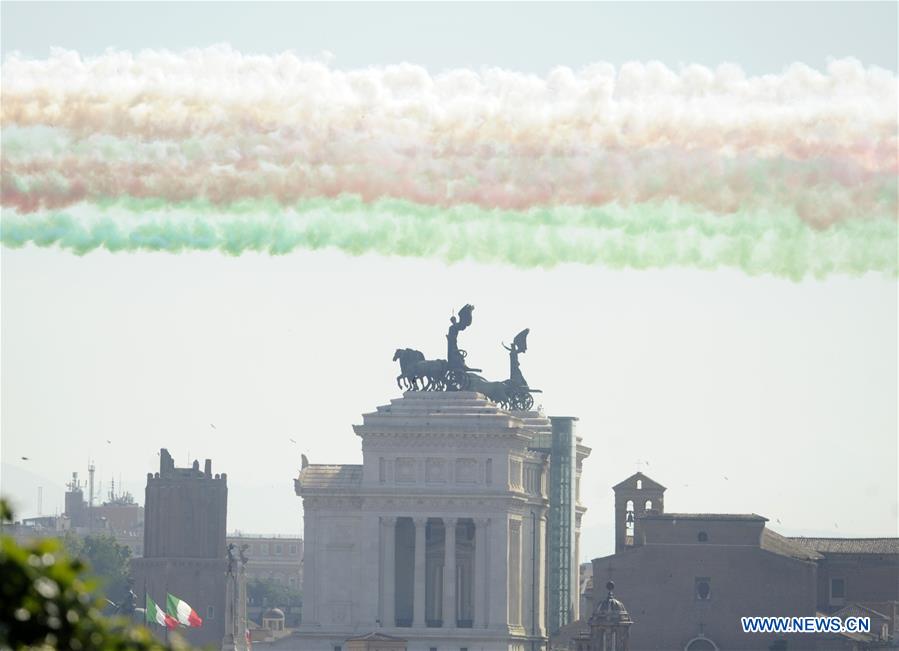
(270, 593)
(48, 602)
(107, 560)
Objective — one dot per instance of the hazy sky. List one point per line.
(744, 394)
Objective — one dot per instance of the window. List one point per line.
(639, 484)
(837, 588)
(648, 505)
(278, 549)
(489, 471)
(433, 648)
(703, 536)
(629, 523)
(210, 612)
(337, 647)
(703, 588)
(293, 549)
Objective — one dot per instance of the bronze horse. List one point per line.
(415, 369)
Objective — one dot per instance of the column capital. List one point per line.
(450, 522)
(388, 520)
(420, 520)
(481, 522)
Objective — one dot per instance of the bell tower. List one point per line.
(635, 496)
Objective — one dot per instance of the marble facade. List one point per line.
(438, 537)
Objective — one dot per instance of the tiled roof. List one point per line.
(331, 476)
(704, 516)
(849, 545)
(859, 610)
(777, 544)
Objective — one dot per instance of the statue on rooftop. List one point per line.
(453, 374)
(519, 345)
(457, 378)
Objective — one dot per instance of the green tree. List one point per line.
(272, 594)
(107, 560)
(268, 593)
(48, 602)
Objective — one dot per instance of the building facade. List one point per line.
(272, 558)
(184, 545)
(688, 578)
(440, 536)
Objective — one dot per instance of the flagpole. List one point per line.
(166, 600)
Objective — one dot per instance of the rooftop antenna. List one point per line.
(90, 504)
(90, 472)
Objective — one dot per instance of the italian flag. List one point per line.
(155, 615)
(182, 611)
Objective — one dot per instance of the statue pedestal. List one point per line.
(242, 609)
(228, 643)
(235, 612)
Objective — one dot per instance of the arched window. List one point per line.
(648, 505)
(703, 588)
(629, 523)
(703, 536)
(701, 644)
(639, 484)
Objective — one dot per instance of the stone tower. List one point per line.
(184, 544)
(634, 497)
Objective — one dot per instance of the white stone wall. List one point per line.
(444, 456)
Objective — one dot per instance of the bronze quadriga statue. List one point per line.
(453, 374)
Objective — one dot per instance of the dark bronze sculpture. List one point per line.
(128, 606)
(453, 374)
(232, 561)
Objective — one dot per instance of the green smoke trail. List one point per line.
(640, 236)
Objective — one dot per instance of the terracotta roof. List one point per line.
(704, 516)
(647, 482)
(331, 476)
(849, 545)
(859, 610)
(777, 544)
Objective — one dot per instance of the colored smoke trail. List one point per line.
(639, 236)
(791, 174)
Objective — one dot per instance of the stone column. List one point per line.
(449, 573)
(389, 561)
(241, 641)
(230, 614)
(418, 607)
(576, 585)
(480, 572)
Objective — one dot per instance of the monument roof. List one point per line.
(448, 412)
(849, 545)
(331, 476)
(376, 637)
